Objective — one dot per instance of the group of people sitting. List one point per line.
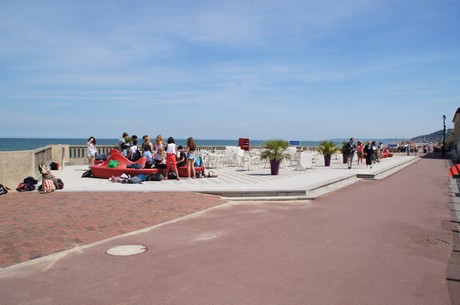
(160, 154)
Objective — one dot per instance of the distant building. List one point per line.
(456, 137)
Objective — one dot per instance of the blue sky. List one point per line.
(290, 69)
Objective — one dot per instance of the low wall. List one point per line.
(17, 165)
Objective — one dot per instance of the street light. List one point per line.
(444, 136)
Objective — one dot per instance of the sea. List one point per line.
(17, 144)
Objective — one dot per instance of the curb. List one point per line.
(453, 267)
(313, 192)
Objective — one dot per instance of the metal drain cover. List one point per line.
(126, 250)
(429, 242)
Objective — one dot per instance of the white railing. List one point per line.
(77, 153)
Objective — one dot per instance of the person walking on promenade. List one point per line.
(91, 150)
(171, 153)
(379, 151)
(374, 152)
(359, 151)
(350, 152)
(191, 147)
(368, 152)
(407, 148)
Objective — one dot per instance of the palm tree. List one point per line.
(327, 148)
(275, 152)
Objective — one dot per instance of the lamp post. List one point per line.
(444, 136)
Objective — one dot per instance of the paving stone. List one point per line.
(36, 225)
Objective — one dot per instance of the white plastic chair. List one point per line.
(305, 162)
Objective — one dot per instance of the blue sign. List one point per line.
(294, 143)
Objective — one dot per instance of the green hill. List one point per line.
(433, 137)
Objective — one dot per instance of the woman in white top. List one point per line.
(134, 153)
(91, 150)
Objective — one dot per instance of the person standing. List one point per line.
(171, 153)
(368, 151)
(359, 151)
(91, 150)
(350, 152)
(374, 152)
(147, 148)
(123, 145)
(134, 153)
(379, 151)
(408, 149)
(191, 147)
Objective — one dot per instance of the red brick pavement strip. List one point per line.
(34, 225)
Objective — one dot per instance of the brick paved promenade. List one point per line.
(373, 242)
(34, 225)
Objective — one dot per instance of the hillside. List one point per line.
(433, 137)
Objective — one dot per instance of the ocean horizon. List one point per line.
(18, 144)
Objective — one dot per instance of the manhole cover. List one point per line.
(429, 242)
(126, 250)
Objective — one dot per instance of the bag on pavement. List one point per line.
(3, 189)
(48, 186)
(134, 180)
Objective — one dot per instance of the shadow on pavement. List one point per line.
(434, 155)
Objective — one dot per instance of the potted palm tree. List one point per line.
(327, 149)
(275, 152)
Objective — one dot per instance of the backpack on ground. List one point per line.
(54, 166)
(134, 180)
(47, 186)
(157, 177)
(28, 184)
(121, 179)
(172, 175)
(59, 184)
(30, 180)
(87, 174)
(3, 189)
(25, 187)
